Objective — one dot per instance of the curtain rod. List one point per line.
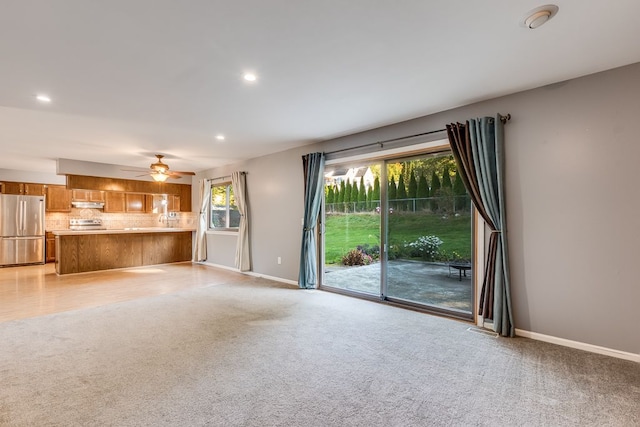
(224, 177)
(503, 119)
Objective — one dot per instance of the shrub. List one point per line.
(426, 247)
(372, 251)
(394, 252)
(356, 257)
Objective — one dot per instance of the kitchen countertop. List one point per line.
(131, 230)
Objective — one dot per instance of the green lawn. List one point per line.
(344, 232)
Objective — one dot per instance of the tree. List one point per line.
(343, 190)
(435, 184)
(458, 186)
(460, 192)
(412, 191)
(362, 195)
(375, 194)
(446, 200)
(392, 192)
(402, 193)
(354, 195)
(329, 196)
(347, 196)
(423, 191)
(434, 192)
(446, 177)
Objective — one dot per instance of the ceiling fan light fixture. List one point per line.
(159, 166)
(159, 177)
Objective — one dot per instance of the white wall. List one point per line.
(572, 204)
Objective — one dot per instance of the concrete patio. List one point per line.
(423, 282)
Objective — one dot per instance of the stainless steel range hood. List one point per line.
(88, 205)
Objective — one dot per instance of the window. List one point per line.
(224, 212)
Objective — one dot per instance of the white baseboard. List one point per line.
(275, 279)
(224, 267)
(251, 273)
(579, 345)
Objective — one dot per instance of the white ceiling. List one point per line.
(130, 78)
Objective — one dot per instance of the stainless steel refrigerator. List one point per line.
(21, 229)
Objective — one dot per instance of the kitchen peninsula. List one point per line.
(80, 251)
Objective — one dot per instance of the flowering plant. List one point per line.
(356, 257)
(426, 247)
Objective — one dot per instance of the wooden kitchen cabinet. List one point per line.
(58, 198)
(88, 196)
(26, 188)
(114, 202)
(34, 189)
(148, 200)
(11, 188)
(173, 203)
(50, 246)
(135, 202)
(78, 252)
(185, 198)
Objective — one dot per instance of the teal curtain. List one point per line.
(478, 147)
(313, 167)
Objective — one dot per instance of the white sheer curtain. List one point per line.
(243, 257)
(201, 237)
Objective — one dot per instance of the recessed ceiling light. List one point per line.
(538, 16)
(250, 77)
(220, 137)
(43, 98)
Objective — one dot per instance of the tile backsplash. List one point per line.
(60, 220)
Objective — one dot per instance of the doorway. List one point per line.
(400, 230)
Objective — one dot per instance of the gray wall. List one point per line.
(572, 201)
(35, 177)
(275, 190)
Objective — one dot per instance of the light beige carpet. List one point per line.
(255, 353)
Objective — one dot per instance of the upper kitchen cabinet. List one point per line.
(173, 203)
(28, 189)
(58, 198)
(133, 186)
(118, 202)
(34, 189)
(114, 202)
(185, 198)
(135, 202)
(88, 196)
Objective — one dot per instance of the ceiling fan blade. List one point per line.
(134, 170)
(183, 173)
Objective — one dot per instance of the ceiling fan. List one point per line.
(160, 172)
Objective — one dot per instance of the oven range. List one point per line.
(86, 224)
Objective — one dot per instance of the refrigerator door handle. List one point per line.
(24, 216)
(20, 216)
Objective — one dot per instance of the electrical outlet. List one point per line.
(279, 260)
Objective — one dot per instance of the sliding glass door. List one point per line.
(429, 235)
(400, 230)
(352, 227)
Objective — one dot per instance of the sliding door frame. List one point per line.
(477, 234)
